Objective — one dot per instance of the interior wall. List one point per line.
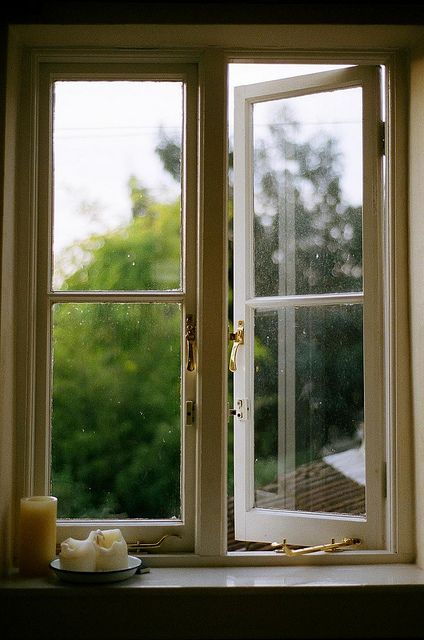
(6, 311)
(416, 239)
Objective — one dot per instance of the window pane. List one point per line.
(308, 194)
(308, 409)
(116, 410)
(117, 185)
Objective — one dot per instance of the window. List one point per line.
(90, 336)
(309, 443)
(115, 297)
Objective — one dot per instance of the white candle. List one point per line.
(111, 550)
(37, 534)
(78, 555)
(101, 551)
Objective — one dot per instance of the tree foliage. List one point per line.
(117, 366)
(117, 376)
(308, 241)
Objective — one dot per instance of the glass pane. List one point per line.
(308, 409)
(117, 185)
(308, 194)
(116, 410)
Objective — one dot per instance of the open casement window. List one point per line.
(309, 385)
(115, 298)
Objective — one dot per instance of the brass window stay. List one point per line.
(297, 550)
(139, 547)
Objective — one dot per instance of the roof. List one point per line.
(317, 487)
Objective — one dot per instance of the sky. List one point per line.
(105, 131)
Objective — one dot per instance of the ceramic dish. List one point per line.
(97, 577)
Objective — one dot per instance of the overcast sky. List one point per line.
(106, 131)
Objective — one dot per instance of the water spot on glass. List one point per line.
(346, 269)
(348, 232)
(266, 220)
(356, 272)
(278, 256)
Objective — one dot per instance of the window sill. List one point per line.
(221, 602)
(222, 578)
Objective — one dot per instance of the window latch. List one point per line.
(238, 338)
(242, 409)
(190, 338)
(331, 547)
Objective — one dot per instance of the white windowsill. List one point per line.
(390, 575)
(220, 603)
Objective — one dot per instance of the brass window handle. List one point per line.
(238, 339)
(191, 338)
(295, 550)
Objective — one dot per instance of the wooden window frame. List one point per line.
(212, 49)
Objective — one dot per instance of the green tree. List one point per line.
(168, 149)
(117, 367)
(117, 372)
(308, 241)
(302, 179)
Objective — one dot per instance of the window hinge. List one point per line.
(241, 410)
(384, 473)
(382, 138)
(297, 550)
(189, 417)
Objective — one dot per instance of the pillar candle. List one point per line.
(111, 550)
(37, 534)
(101, 551)
(78, 555)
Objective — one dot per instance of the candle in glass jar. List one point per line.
(37, 534)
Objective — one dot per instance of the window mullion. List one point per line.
(211, 418)
(117, 296)
(269, 302)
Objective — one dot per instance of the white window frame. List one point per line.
(36, 369)
(259, 524)
(212, 48)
